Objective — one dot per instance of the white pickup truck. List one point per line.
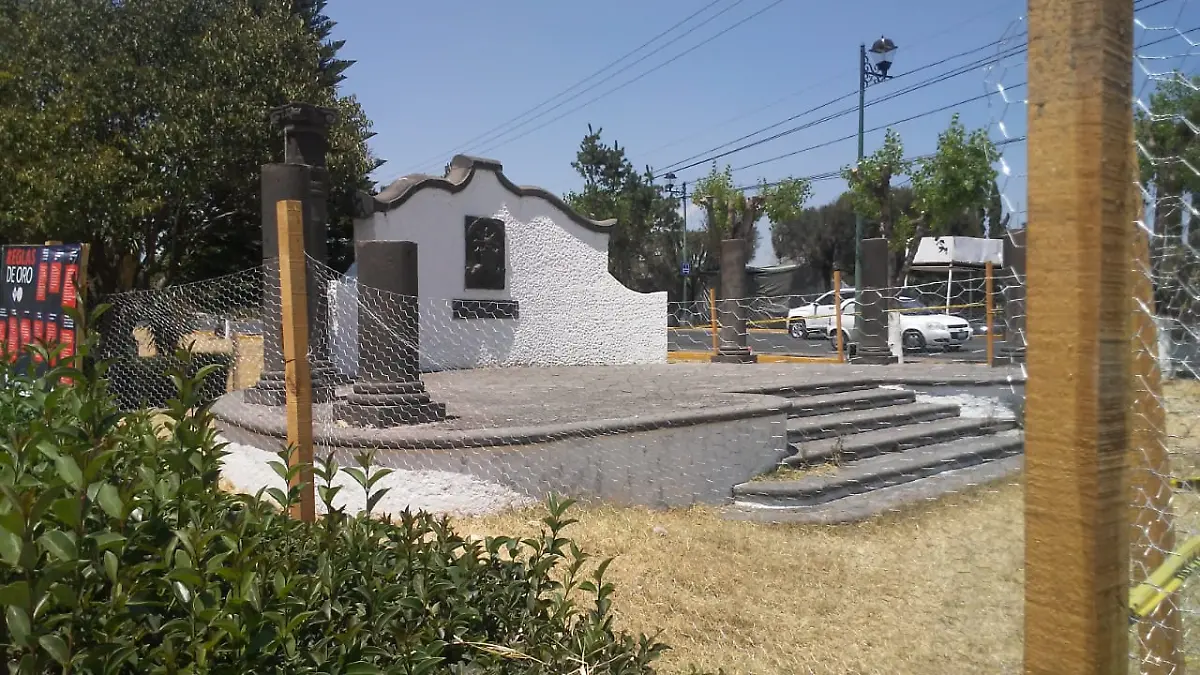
(816, 317)
(920, 327)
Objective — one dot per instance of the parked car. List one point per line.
(816, 317)
(920, 327)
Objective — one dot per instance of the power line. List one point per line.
(830, 175)
(937, 79)
(878, 128)
(960, 70)
(955, 72)
(920, 40)
(632, 80)
(1178, 34)
(571, 88)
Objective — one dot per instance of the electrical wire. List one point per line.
(957, 71)
(830, 175)
(831, 78)
(647, 43)
(617, 88)
(910, 118)
(1014, 51)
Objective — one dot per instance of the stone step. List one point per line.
(804, 429)
(880, 441)
(816, 388)
(880, 471)
(859, 507)
(855, 399)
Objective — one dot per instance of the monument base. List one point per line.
(389, 404)
(1006, 356)
(271, 389)
(734, 355)
(875, 356)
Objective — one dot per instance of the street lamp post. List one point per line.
(685, 267)
(872, 70)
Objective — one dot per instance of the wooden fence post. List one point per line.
(1080, 118)
(297, 376)
(989, 301)
(837, 312)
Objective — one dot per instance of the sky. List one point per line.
(441, 78)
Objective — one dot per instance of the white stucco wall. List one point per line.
(572, 311)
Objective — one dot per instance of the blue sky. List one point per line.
(436, 76)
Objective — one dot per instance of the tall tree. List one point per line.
(139, 127)
(730, 213)
(1170, 151)
(946, 188)
(645, 245)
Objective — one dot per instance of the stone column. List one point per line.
(872, 320)
(731, 309)
(1012, 350)
(305, 130)
(389, 391)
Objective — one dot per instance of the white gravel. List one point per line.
(980, 407)
(247, 469)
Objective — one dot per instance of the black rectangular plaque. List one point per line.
(485, 253)
(485, 309)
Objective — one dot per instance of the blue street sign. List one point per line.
(685, 269)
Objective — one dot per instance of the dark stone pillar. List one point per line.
(1012, 350)
(731, 309)
(872, 320)
(305, 130)
(389, 391)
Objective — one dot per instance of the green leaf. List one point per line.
(16, 593)
(11, 547)
(110, 500)
(18, 624)
(60, 544)
(69, 471)
(361, 668)
(56, 647)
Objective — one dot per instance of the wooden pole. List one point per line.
(990, 304)
(837, 313)
(712, 320)
(1153, 533)
(1080, 119)
(297, 377)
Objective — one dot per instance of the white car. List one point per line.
(815, 318)
(920, 326)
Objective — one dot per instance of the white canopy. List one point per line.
(936, 254)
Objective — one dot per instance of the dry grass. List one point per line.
(937, 590)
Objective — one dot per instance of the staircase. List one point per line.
(861, 449)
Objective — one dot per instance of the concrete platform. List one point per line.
(658, 435)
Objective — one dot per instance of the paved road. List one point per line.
(779, 342)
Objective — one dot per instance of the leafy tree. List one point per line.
(947, 188)
(139, 128)
(1169, 152)
(730, 213)
(644, 248)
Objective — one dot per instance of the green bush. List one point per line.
(119, 555)
(144, 381)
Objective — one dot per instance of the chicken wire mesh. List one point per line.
(945, 320)
(485, 408)
(1163, 395)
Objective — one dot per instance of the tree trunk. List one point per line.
(919, 232)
